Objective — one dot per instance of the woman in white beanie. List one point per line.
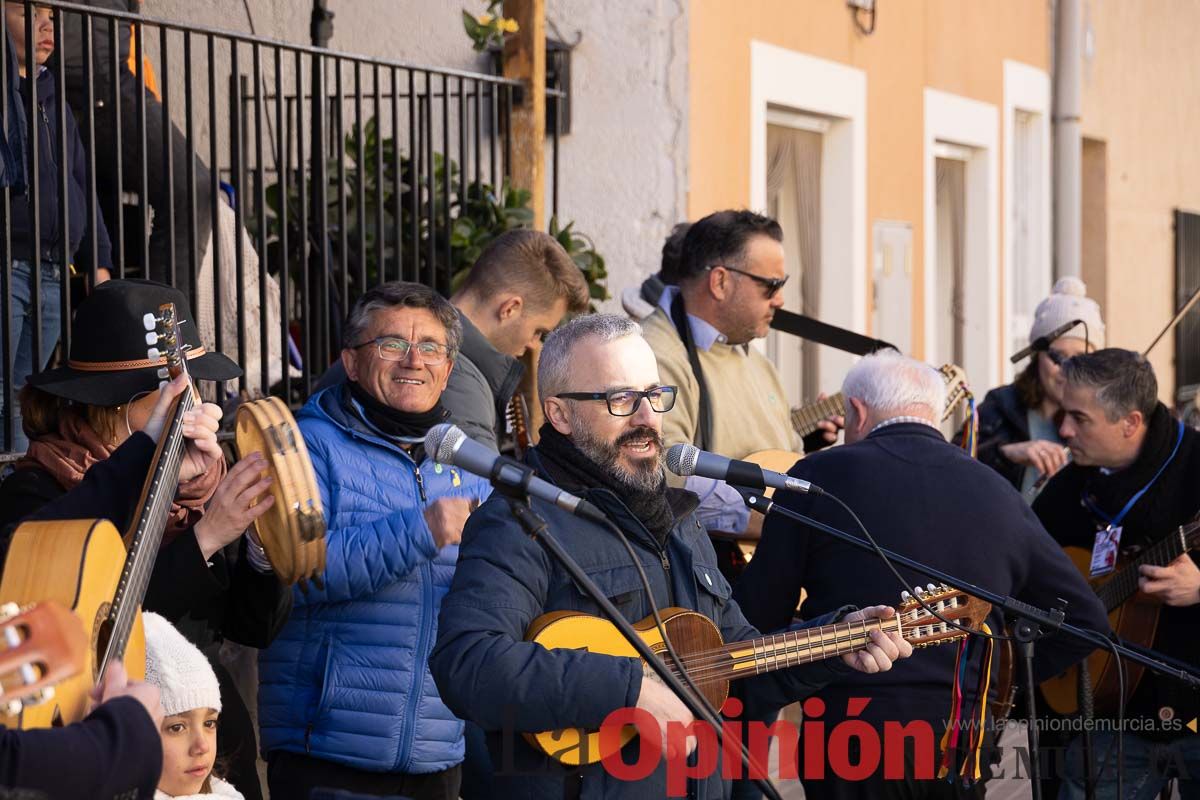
(1018, 423)
(191, 701)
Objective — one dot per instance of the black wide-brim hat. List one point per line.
(108, 363)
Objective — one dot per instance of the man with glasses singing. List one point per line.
(605, 407)
(346, 700)
(730, 278)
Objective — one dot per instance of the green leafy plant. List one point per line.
(487, 29)
(443, 244)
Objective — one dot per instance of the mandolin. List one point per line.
(712, 664)
(86, 566)
(1132, 615)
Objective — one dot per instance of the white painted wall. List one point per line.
(624, 164)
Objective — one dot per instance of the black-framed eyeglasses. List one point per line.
(625, 402)
(771, 285)
(393, 348)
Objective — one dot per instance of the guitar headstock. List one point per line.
(957, 388)
(518, 416)
(922, 629)
(165, 341)
(42, 645)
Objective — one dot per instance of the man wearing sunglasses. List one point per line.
(730, 276)
(605, 407)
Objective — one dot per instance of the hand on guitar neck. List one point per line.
(200, 427)
(1176, 584)
(116, 683)
(826, 432)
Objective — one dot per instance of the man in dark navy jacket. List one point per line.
(927, 499)
(600, 387)
(1135, 472)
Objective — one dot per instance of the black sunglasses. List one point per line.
(772, 285)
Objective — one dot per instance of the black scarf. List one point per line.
(397, 424)
(573, 471)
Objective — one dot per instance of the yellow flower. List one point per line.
(484, 19)
(509, 25)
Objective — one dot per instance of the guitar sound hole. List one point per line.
(104, 631)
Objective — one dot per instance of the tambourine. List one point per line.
(292, 531)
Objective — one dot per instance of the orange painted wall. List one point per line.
(950, 45)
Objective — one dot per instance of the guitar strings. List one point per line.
(723, 664)
(143, 566)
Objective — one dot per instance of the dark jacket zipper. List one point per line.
(666, 565)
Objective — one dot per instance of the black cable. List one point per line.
(683, 673)
(879, 552)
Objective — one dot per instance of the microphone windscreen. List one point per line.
(682, 458)
(442, 440)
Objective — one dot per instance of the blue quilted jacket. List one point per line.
(347, 680)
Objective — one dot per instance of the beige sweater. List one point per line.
(749, 406)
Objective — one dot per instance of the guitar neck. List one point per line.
(1124, 584)
(781, 650)
(143, 539)
(806, 418)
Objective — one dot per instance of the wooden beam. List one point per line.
(525, 60)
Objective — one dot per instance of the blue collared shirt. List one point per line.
(704, 335)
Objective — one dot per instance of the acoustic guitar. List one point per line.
(1131, 614)
(86, 566)
(41, 645)
(807, 418)
(712, 664)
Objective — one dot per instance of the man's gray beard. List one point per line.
(608, 456)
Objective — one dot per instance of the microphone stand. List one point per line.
(538, 529)
(1031, 623)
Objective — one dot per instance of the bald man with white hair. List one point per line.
(925, 498)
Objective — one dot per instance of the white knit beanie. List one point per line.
(1068, 301)
(182, 674)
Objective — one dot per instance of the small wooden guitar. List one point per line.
(85, 566)
(712, 664)
(1132, 615)
(42, 645)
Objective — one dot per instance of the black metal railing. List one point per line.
(343, 171)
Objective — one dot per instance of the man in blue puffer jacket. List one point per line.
(346, 699)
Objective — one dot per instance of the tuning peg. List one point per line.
(151, 338)
(931, 587)
(149, 321)
(163, 373)
(154, 354)
(905, 595)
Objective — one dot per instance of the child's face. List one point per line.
(189, 749)
(43, 31)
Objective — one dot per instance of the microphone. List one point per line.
(687, 459)
(449, 445)
(1042, 343)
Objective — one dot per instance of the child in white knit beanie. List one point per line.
(191, 701)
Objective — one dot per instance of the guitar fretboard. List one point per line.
(1124, 584)
(806, 418)
(147, 534)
